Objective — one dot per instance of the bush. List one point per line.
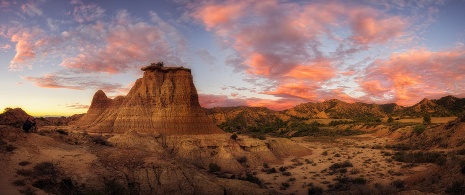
(45, 169)
(315, 190)
(24, 163)
(100, 141)
(253, 179)
(62, 132)
(359, 180)
(242, 160)
(420, 157)
(19, 182)
(340, 165)
(456, 188)
(390, 120)
(234, 136)
(213, 167)
(427, 119)
(419, 129)
(397, 183)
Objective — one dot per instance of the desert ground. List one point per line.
(370, 163)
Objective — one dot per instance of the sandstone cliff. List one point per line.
(163, 101)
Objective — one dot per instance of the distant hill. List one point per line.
(335, 109)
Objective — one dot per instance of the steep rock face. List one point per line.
(163, 101)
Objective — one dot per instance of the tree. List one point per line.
(427, 119)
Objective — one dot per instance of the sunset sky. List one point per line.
(56, 54)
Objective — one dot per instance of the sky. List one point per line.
(55, 54)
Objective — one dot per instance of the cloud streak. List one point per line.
(72, 82)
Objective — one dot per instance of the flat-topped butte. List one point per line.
(163, 68)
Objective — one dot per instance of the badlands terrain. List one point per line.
(158, 140)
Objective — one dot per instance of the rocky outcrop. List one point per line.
(13, 116)
(163, 101)
(233, 156)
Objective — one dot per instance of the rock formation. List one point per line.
(163, 101)
(13, 116)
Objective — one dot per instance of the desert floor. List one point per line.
(367, 154)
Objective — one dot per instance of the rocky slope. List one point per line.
(54, 163)
(163, 101)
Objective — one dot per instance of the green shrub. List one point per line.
(419, 129)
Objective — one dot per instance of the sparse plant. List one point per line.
(242, 160)
(62, 131)
(427, 119)
(315, 190)
(419, 129)
(286, 173)
(359, 180)
(397, 183)
(456, 188)
(390, 120)
(213, 168)
(19, 182)
(24, 163)
(234, 136)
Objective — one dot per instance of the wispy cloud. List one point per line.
(72, 82)
(31, 9)
(76, 105)
(86, 12)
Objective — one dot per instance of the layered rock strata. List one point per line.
(163, 101)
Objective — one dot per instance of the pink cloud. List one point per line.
(210, 101)
(369, 26)
(128, 42)
(4, 4)
(72, 82)
(280, 41)
(408, 77)
(24, 50)
(5, 47)
(77, 105)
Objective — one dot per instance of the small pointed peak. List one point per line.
(100, 93)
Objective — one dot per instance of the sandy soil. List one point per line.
(365, 152)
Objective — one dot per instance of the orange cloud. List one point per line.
(319, 71)
(369, 27)
(408, 77)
